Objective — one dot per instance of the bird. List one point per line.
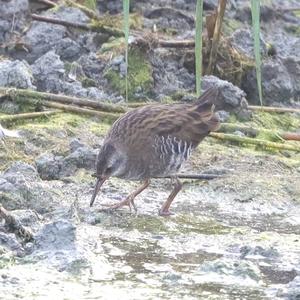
(154, 141)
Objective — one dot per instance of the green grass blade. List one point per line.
(126, 32)
(91, 4)
(198, 45)
(255, 10)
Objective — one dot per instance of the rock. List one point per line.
(21, 168)
(242, 40)
(59, 235)
(68, 49)
(83, 157)
(292, 65)
(74, 89)
(13, 16)
(230, 96)
(9, 242)
(21, 188)
(223, 115)
(123, 69)
(111, 7)
(117, 60)
(75, 144)
(93, 67)
(48, 72)
(9, 107)
(237, 271)
(277, 85)
(95, 93)
(248, 251)
(169, 74)
(166, 18)
(43, 37)
(243, 12)
(69, 14)
(291, 291)
(49, 166)
(27, 217)
(16, 74)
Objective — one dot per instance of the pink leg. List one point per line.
(129, 200)
(164, 211)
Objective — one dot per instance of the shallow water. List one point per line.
(214, 247)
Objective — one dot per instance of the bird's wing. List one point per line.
(187, 122)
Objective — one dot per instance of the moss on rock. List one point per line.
(139, 75)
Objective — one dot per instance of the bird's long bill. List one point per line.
(99, 183)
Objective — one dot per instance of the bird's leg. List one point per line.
(129, 200)
(164, 211)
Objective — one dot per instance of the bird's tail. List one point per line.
(208, 98)
(205, 105)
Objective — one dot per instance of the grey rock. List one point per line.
(242, 40)
(117, 60)
(21, 188)
(284, 44)
(10, 243)
(223, 115)
(43, 37)
(83, 157)
(247, 251)
(13, 15)
(292, 65)
(9, 107)
(15, 74)
(49, 166)
(292, 291)
(229, 97)
(276, 83)
(169, 74)
(75, 144)
(123, 69)
(21, 168)
(68, 49)
(113, 7)
(74, 89)
(237, 269)
(58, 235)
(95, 93)
(70, 14)
(239, 133)
(188, 98)
(92, 66)
(27, 217)
(167, 17)
(48, 70)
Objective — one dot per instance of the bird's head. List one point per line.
(109, 163)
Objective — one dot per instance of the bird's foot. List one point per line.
(165, 213)
(126, 202)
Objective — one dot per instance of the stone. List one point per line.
(277, 85)
(242, 40)
(22, 188)
(49, 166)
(230, 96)
(58, 235)
(13, 14)
(15, 74)
(48, 72)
